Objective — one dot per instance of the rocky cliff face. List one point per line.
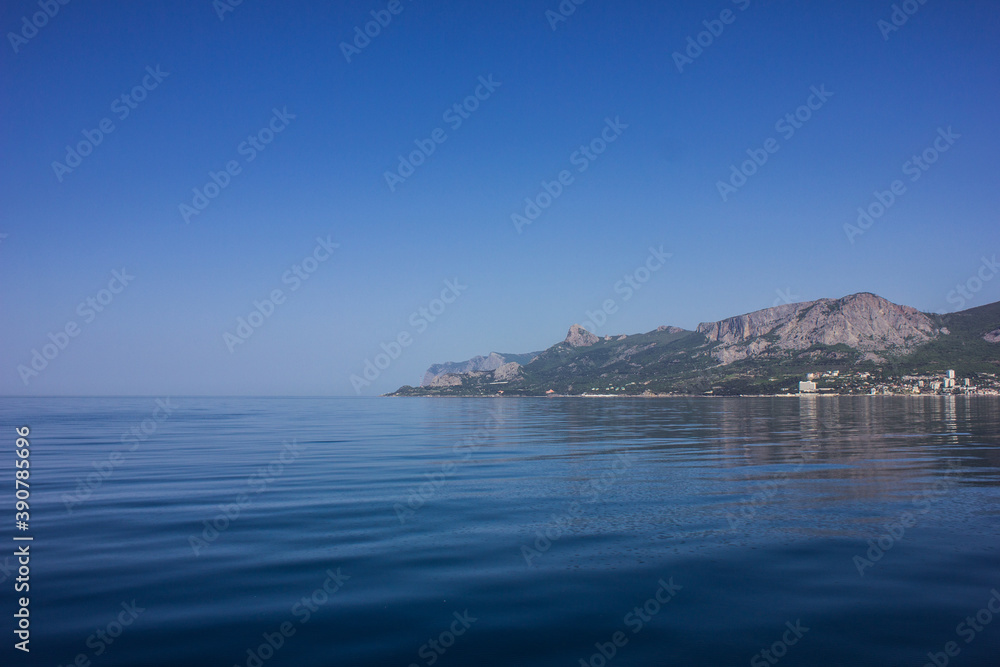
(865, 322)
(507, 372)
(580, 337)
(446, 380)
(489, 363)
(992, 337)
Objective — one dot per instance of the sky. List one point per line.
(171, 167)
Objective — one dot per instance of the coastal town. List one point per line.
(824, 383)
(947, 383)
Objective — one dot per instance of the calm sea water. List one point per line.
(824, 531)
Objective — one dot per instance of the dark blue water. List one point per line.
(508, 532)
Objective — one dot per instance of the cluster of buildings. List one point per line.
(986, 384)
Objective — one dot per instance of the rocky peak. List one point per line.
(580, 337)
(507, 372)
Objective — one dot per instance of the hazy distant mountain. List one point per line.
(764, 351)
(488, 363)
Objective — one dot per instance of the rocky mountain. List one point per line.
(765, 351)
(508, 371)
(488, 363)
(865, 322)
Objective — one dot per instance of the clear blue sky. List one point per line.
(323, 175)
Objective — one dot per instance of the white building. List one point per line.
(807, 387)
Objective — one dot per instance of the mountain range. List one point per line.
(764, 352)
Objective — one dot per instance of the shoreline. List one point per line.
(826, 395)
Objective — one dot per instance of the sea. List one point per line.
(815, 531)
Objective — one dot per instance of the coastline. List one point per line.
(709, 396)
